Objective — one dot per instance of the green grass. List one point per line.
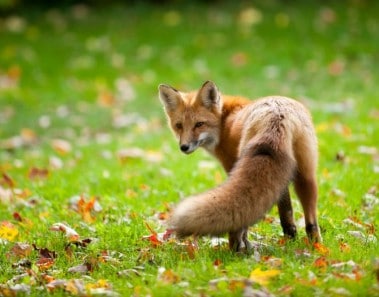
(57, 65)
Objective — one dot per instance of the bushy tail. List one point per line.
(255, 184)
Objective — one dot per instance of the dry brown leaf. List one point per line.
(21, 250)
(44, 263)
(61, 146)
(6, 180)
(70, 233)
(38, 173)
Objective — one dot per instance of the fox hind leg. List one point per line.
(286, 214)
(306, 190)
(238, 241)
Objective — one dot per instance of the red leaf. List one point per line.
(321, 262)
(153, 237)
(17, 217)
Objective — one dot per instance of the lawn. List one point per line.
(89, 169)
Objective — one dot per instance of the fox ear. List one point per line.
(169, 97)
(209, 95)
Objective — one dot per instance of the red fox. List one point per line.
(263, 145)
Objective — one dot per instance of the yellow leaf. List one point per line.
(322, 127)
(101, 283)
(8, 231)
(168, 276)
(263, 277)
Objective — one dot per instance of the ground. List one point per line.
(89, 169)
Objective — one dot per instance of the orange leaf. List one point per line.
(217, 263)
(322, 249)
(344, 247)
(87, 209)
(168, 276)
(321, 262)
(237, 284)
(191, 250)
(153, 237)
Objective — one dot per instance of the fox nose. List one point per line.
(184, 147)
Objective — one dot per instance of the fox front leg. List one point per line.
(238, 241)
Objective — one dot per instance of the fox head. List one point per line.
(193, 117)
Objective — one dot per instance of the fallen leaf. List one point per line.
(7, 181)
(75, 287)
(340, 292)
(37, 173)
(56, 284)
(167, 276)
(15, 290)
(17, 217)
(55, 162)
(362, 236)
(81, 269)
(86, 208)
(23, 263)
(272, 261)
(21, 250)
(368, 150)
(322, 249)
(70, 233)
(249, 291)
(145, 256)
(125, 155)
(321, 263)
(101, 283)
(344, 247)
(28, 136)
(8, 231)
(106, 99)
(217, 263)
(232, 284)
(45, 253)
(61, 146)
(136, 271)
(44, 263)
(153, 237)
(263, 277)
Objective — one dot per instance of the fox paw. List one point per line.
(313, 233)
(238, 241)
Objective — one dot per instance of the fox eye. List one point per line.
(179, 126)
(199, 124)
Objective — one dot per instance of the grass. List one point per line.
(89, 77)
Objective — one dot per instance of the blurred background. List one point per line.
(84, 67)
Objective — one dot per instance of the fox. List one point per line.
(264, 145)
